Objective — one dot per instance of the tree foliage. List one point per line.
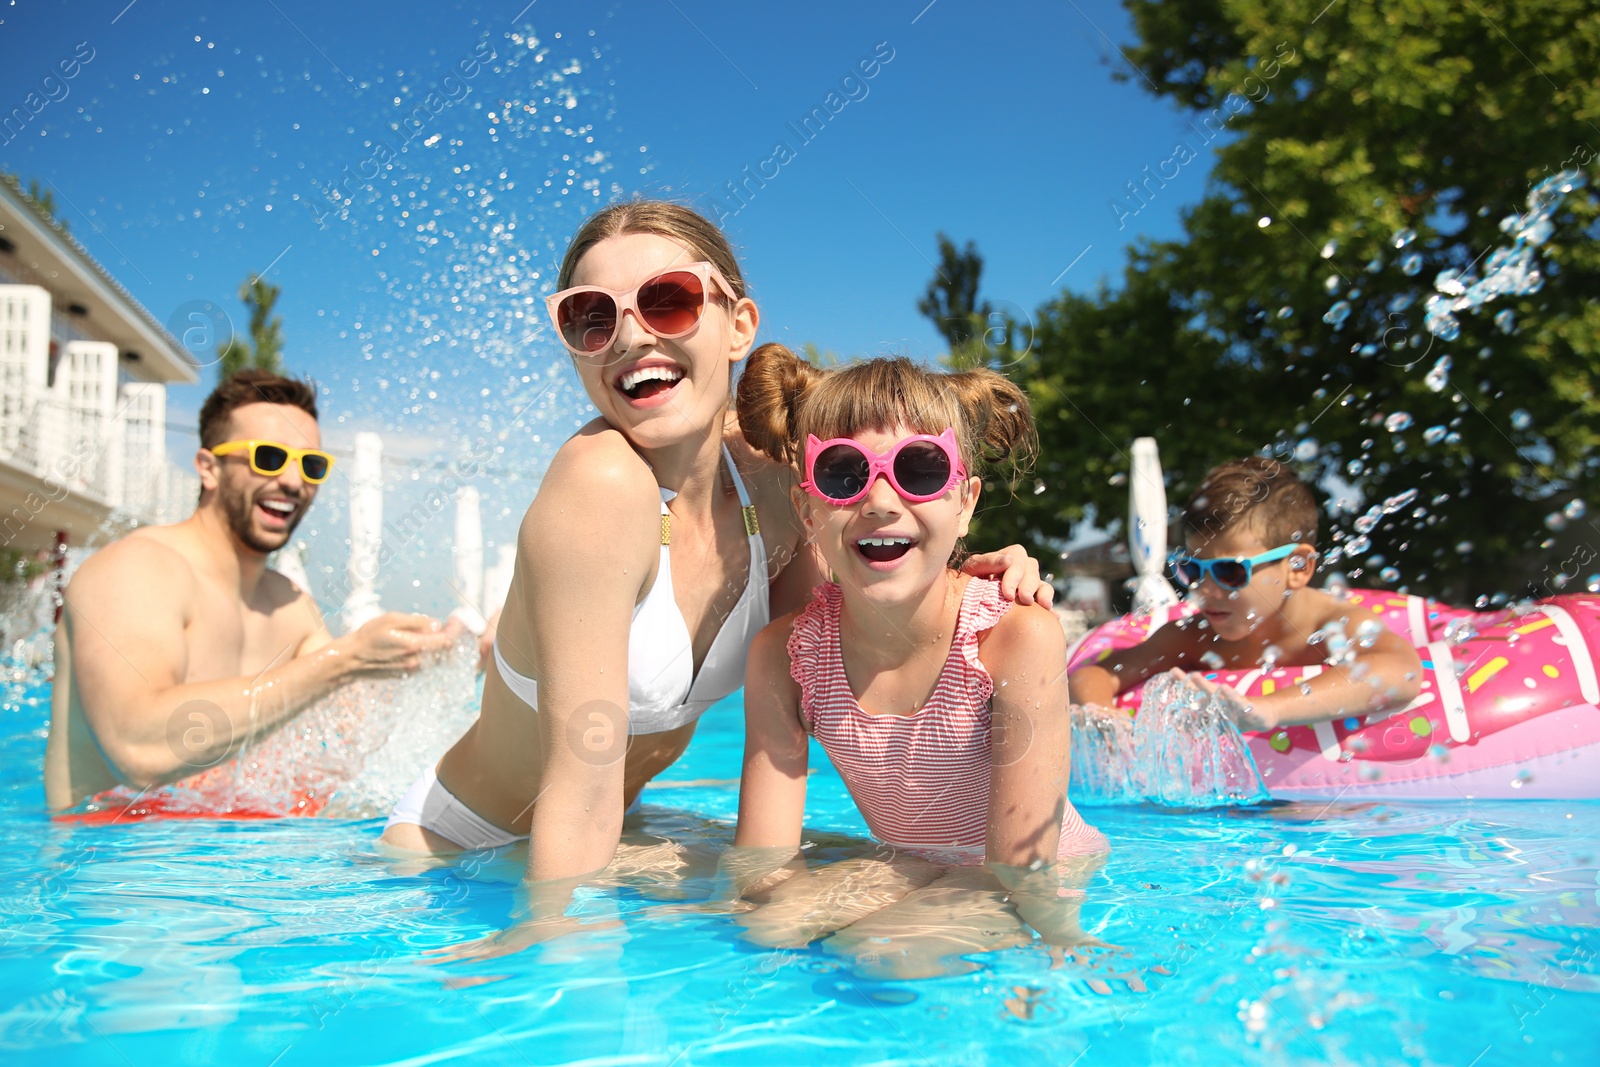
(951, 302)
(1341, 132)
(265, 349)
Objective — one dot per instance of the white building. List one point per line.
(83, 402)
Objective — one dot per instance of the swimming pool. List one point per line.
(1450, 933)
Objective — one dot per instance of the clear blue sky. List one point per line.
(188, 152)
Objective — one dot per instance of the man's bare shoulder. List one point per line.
(149, 558)
(279, 590)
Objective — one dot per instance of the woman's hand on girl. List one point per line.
(1018, 573)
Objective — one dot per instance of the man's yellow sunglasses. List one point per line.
(269, 458)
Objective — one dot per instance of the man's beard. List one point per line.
(240, 508)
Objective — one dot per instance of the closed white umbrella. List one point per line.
(468, 554)
(366, 531)
(1147, 529)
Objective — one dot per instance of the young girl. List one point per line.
(940, 703)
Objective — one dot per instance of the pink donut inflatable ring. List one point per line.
(1509, 712)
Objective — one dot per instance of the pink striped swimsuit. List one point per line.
(920, 780)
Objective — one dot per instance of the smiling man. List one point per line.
(178, 644)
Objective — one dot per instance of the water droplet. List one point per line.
(1439, 376)
(1329, 249)
(1411, 264)
(1357, 546)
(1506, 319)
(1592, 583)
(1575, 509)
(1119, 478)
(1434, 434)
(1521, 420)
(1438, 319)
(1555, 521)
(1397, 422)
(1211, 660)
(1399, 501)
(1403, 237)
(1401, 302)
(1354, 467)
(1449, 282)
(1264, 221)
(1375, 264)
(1464, 547)
(1285, 312)
(1332, 284)
(1390, 574)
(1337, 314)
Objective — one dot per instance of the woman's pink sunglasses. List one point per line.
(669, 304)
(921, 468)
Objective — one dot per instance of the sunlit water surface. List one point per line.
(1347, 933)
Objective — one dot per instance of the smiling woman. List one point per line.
(598, 684)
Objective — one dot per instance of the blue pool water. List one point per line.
(1348, 933)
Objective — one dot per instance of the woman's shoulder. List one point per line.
(599, 451)
(597, 483)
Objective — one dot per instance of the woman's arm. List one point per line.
(587, 546)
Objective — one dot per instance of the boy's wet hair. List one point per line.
(251, 386)
(1258, 493)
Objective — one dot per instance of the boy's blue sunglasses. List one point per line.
(1229, 572)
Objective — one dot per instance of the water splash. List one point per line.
(1510, 270)
(1181, 750)
(352, 754)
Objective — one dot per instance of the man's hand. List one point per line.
(396, 641)
(1018, 571)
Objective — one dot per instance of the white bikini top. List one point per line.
(664, 693)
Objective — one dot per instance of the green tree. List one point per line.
(42, 199)
(45, 201)
(951, 302)
(266, 341)
(1287, 319)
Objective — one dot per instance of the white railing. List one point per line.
(83, 432)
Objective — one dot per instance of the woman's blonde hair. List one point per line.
(782, 398)
(685, 225)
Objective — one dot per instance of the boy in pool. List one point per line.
(1251, 532)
